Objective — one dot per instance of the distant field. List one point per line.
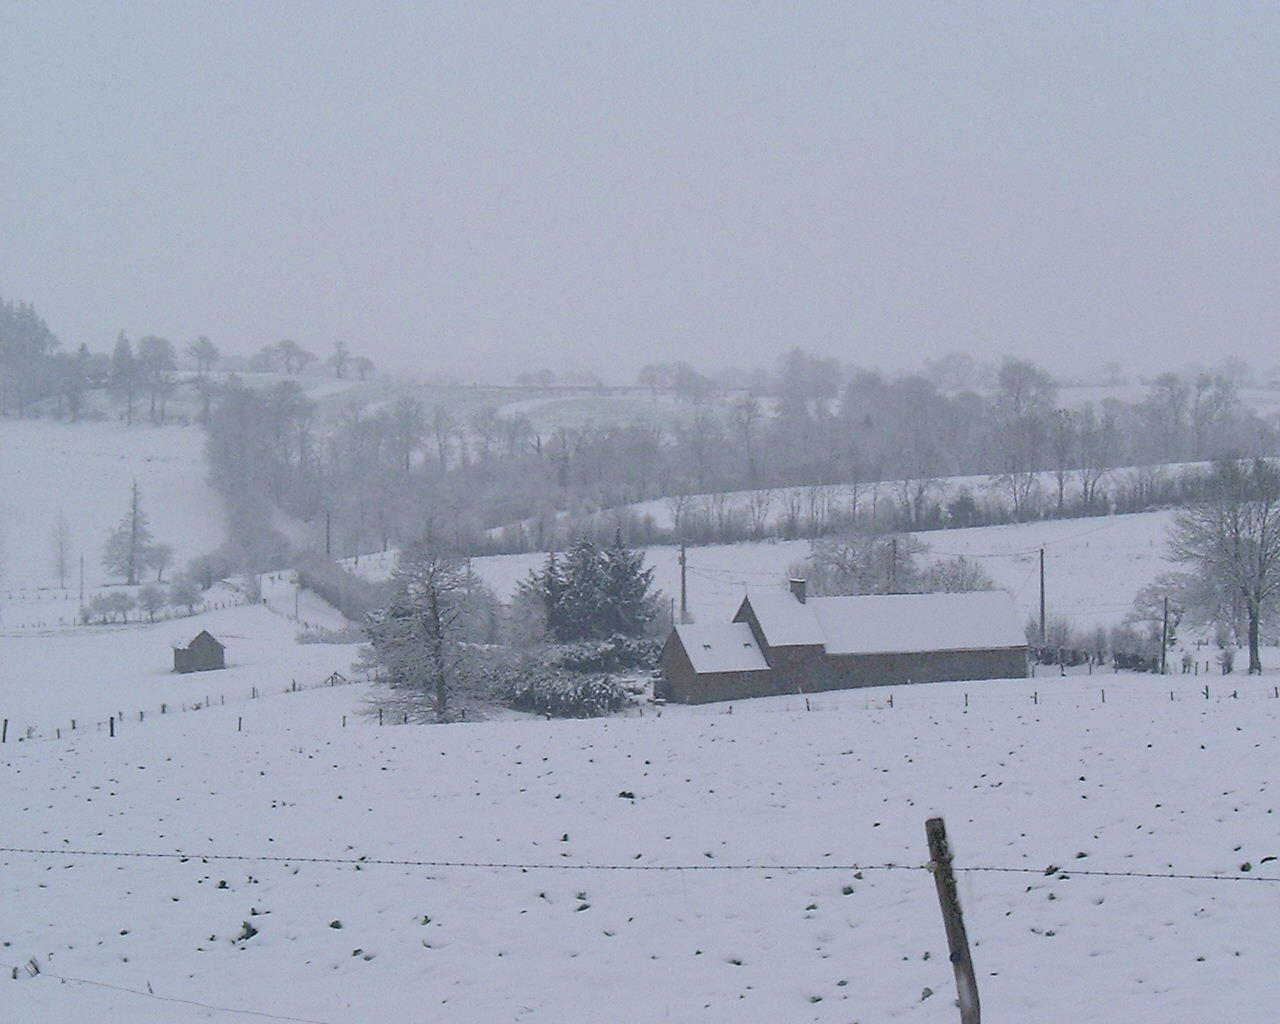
(84, 471)
(1265, 401)
(1094, 567)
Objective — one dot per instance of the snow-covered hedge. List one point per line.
(610, 655)
(548, 691)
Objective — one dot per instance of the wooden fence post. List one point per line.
(4, 732)
(957, 942)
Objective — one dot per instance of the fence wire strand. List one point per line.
(1053, 871)
(40, 972)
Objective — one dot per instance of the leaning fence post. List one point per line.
(957, 942)
(4, 732)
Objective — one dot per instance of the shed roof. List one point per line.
(721, 647)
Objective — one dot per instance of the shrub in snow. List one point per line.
(612, 654)
(550, 691)
(352, 595)
(351, 634)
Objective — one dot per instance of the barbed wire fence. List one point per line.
(851, 868)
(11, 732)
(1127, 687)
(942, 868)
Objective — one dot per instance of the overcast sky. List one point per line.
(482, 189)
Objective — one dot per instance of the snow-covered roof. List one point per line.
(784, 621)
(721, 647)
(891, 623)
(895, 623)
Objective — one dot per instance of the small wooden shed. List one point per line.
(203, 654)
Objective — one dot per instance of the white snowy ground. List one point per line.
(821, 501)
(713, 927)
(89, 673)
(1093, 567)
(85, 471)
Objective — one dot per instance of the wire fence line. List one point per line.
(30, 733)
(899, 696)
(1101, 698)
(1052, 871)
(33, 969)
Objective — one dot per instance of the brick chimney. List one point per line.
(798, 589)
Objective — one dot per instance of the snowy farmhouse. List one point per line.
(203, 654)
(780, 642)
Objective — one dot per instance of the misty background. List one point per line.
(483, 189)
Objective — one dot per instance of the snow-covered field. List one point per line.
(1093, 567)
(698, 865)
(85, 471)
(285, 855)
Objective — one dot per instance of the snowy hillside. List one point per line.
(84, 472)
(230, 846)
(1094, 567)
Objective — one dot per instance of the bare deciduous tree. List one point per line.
(1232, 539)
(417, 641)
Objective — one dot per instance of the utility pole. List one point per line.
(327, 549)
(82, 580)
(893, 565)
(1164, 636)
(1042, 626)
(684, 590)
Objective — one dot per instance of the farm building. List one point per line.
(203, 654)
(781, 642)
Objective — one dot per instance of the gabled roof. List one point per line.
(890, 623)
(721, 647)
(899, 623)
(784, 621)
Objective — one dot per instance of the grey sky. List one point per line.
(482, 188)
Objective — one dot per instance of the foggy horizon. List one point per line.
(478, 192)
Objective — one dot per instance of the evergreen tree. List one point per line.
(129, 544)
(593, 594)
(125, 374)
(631, 605)
(582, 612)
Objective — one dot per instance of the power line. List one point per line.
(734, 572)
